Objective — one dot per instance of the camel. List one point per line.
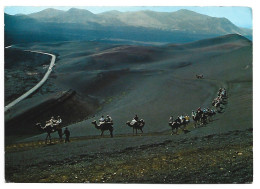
(222, 93)
(174, 125)
(196, 120)
(204, 118)
(104, 126)
(210, 114)
(184, 122)
(199, 76)
(218, 106)
(48, 128)
(138, 125)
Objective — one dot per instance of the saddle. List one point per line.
(133, 122)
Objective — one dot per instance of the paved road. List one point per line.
(36, 86)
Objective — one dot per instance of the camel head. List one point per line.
(95, 123)
(39, 125)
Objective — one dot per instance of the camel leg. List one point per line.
(200, 122)
(50, 137)
(142, 130)
(195, 125)
(184, 127)
(60, 134)
(102, 133)
(133, 131)
(46, 138)
(111, 133)
(136, 131)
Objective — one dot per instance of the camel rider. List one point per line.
(171, 119)
(199, 110)
(50, 122)
(102, 119)
(219, 91)
(182, 118)
(59, 127)
(187, 118)
(193, 114)
(223, 93)
(57, 121)
(133, 121)
(108, 119)
(178, 120)
(136, 117)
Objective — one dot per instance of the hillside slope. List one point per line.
(153, 82)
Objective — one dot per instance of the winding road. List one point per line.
(25, 95)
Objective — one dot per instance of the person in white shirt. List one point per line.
(102, 119)
(108, 119)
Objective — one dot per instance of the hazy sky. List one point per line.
(240, 16)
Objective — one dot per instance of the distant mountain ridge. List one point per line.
(181, 20)
(80, 24)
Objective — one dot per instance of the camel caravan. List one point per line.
(220, 100)
(200, 117)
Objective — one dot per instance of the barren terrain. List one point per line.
(91, 79)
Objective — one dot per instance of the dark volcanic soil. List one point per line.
(23, 70)
(154, 82)
(222, 158)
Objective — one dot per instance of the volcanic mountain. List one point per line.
(147, 26)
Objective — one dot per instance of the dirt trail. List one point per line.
(39, 143)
